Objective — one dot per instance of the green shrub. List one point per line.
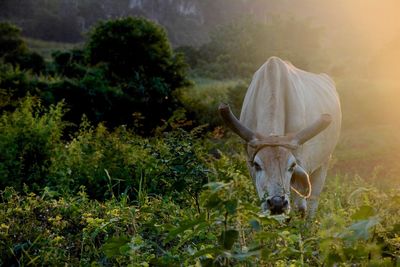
(28, 139)
(71, 64)
(105, 163)
(14, 84)
(90, 95)
(121, 163)
(13, 49)
(27, 61)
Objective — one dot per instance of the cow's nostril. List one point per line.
(277, 204)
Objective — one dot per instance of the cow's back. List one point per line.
(283, 99)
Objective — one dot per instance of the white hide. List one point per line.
(283, 99)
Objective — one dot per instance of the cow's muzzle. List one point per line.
(277, 204)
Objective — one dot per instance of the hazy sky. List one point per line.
(376, 21)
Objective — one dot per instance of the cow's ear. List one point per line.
(300, 182)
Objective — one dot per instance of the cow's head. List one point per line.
(273, 167)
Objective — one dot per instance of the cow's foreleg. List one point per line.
(317, 183)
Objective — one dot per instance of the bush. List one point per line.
(71, 64)
(27, 61)
(13, 49)
(28, 139)
(121, 163)
(90, 95)
(14, 84)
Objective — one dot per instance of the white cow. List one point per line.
(290, 120)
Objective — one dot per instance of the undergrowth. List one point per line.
(356, 225)
(182, 198)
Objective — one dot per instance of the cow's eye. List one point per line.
(257, 166)
(291, 168)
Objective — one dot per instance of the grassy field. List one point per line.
(45, 48)
(370, 143)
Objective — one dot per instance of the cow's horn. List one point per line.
(312, 130)
(234, 123)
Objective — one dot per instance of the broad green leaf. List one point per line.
(228, 238)
(231, 206)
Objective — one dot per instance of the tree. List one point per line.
(14, 50)
(136, 56)
(10, 39)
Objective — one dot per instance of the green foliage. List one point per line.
(10, 40)
(13, 49)
(128, 46)
(69, 63)
(357, 225)
(152, 207)
(14, 84)
(136, 55)
(106, 163)
(42, 230)
(89, 95)
(103, 162)
(202, 100)
(28, 139)
(121, 163)
(27, 61)
(126, 66)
